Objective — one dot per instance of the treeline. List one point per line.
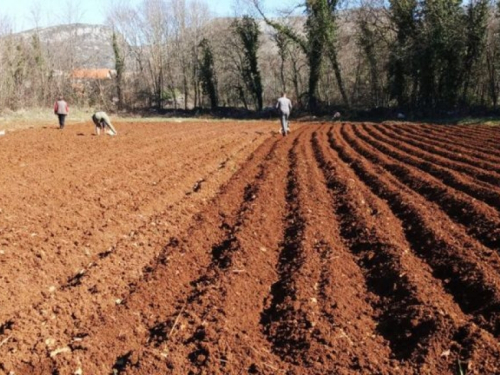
(418, 56)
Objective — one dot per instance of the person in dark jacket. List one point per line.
(61, 109)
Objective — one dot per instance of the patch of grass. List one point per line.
(490, 121)
(157, 119)
(42, 117)
(39, 117)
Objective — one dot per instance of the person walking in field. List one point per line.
(284, 106)
(102, 121)
(61, 109)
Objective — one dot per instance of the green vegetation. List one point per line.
(207, 73)
(248, 32)
(421, 58)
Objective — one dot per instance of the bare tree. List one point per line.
(35, 14)
(146, 29)
(127, 22)
(71, 13)
(319, 41)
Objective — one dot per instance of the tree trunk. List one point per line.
(338, 75)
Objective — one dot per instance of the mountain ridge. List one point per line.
(86, 46)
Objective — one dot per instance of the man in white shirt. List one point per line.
(284, 105)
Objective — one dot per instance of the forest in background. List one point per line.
(420, 57)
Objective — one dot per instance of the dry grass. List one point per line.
(39, 117)
(44, 117)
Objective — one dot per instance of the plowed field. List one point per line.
(225, 248)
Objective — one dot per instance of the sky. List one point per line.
(27, 14)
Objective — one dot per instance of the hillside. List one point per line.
(87, 46)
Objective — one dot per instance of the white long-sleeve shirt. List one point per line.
(284, 105)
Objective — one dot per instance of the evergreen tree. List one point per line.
(402, 57)
(476, 22)
(248, 32)
(120, 67)
(320, 40)
(440, 53)
(207, 73)
(367, 43)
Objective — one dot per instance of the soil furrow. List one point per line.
(488, 133)
(102, 264)
(489, 180)
(416, 315)
(471, 281)
(344, 318)
(220, 247)
(207, 297)
(480, 221)
(471, 146)
(306, 317)
(412, 156)
(285, 324)
(119, 209)
(433, 238)
(209, 316)
(213, 167)
(477, 133)
(445, 151)
(81, 313)
(218, 341)
(468, 168)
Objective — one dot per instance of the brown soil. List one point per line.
(225, 248)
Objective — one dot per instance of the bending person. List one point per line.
(102, 121)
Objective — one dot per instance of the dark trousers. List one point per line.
(61, 120)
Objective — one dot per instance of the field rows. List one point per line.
(339, 249)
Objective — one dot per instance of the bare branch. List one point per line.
(285, 30)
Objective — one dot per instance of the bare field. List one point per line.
(224, 248)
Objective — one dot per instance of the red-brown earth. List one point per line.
(225, 248)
